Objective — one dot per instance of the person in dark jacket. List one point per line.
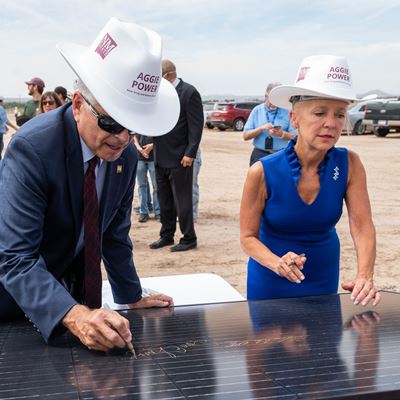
(173, 156)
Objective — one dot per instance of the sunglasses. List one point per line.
(105, 123)
(48, 103)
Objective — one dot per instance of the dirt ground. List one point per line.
(225, 162)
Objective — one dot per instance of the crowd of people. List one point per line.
(68, 176)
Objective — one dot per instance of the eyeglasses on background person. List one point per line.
(49, 101)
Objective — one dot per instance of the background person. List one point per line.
(32, 107)
(292, 200)
(196, 188)
(144, 146)
(173, 155)
(4, 122)
(269, 127)
(49, 101)
(66, 189)
(62, 94)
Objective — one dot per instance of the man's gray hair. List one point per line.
(271, 86)
(82, 88)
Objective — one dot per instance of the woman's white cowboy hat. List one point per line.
(122, 69)
(322, 76)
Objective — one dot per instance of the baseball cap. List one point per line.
(36, 81)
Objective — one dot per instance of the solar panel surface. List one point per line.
(318, 347)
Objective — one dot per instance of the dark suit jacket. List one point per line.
(41, 183)
(184, 138)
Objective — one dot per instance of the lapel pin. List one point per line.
(119, 169)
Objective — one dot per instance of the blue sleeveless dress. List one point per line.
(289, 224)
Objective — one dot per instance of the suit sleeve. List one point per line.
(24, 195)
(195, 123)
(117, 251)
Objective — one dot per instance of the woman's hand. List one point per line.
(362, 291)
(289, 266)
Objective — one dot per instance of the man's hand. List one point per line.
(147, 149)
(265, 127)
(276, 132)
(187, 161)
(154, 300)
(98, 329)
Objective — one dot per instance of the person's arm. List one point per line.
(252, 133)
(251, 207)
(118, 259)
(148, 148)
(195, 123)
(285, 131)
(9, 123)
(252, 128)
(24, 192)
(362, 231)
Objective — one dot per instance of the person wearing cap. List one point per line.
(35, 89)
(269, 127)
(4, 122)
(174, 154)
(66, 191)
(293, 199)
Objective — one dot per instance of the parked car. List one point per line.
(356, 115)
(232, 114)
(208, 108)
(383, 117)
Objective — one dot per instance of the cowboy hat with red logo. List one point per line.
(122, 69)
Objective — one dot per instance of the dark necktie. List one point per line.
(92, 287)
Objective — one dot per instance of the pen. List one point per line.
(128, 344)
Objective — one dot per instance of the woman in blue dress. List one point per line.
(293, 199)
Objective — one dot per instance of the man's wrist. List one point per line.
(70, 317)
(283, 136)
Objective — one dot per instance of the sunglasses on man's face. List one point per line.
(105, 123)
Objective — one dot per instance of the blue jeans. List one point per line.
(1, 144)
(196, 189)
(141, 175)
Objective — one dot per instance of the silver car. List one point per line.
(356, 116)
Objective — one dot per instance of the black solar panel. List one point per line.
(301, 348)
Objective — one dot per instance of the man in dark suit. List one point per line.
(173, 156)
(66, 189)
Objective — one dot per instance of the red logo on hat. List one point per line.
(302, 73)
(105, 46)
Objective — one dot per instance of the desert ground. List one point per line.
(225, 162)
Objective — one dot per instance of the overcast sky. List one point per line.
(220, 46)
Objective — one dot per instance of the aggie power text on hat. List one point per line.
(122, 69)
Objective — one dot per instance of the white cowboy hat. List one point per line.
(323, 76)
(122, 69)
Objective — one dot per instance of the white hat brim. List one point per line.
(280, 95)
(150, 119)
